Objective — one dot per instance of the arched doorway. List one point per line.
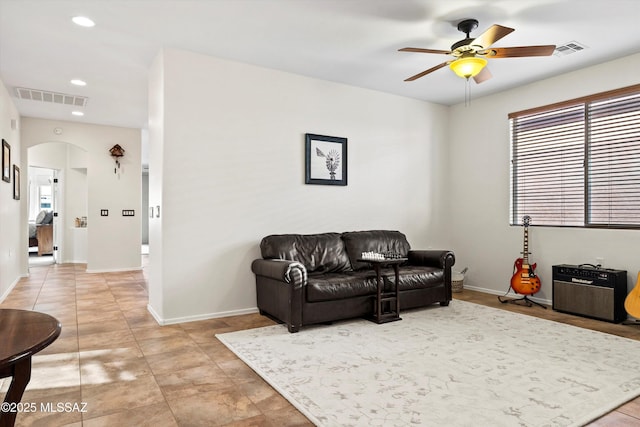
(57, 176)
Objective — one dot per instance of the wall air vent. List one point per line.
(54, 97)
(569, 48)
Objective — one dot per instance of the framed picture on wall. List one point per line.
(16, 182)
(6, 161)
(325, 160)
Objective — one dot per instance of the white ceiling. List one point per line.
(348, 41)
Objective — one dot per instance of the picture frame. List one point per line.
(6, 161)
(325, 160)
(16, 182)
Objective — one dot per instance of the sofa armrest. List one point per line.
(280, 289)
(436, 258)
(280, 269)
(432, 257)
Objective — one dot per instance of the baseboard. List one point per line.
(494, 292)
(155, 315)
(10, 288)
(185, 319)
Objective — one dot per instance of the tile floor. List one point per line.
(114, 358)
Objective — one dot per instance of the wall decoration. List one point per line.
(325, 160)
(116, 152)
(16, 182)
(6, 161)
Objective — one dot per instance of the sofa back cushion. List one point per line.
(319, 253)
(380, 241)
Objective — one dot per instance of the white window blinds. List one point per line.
(577, 163)
(613, 132)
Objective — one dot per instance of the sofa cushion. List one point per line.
(380, 241)
(335, 286)
(414, 277)
(319, 253)
(41, 216)
(48, 218)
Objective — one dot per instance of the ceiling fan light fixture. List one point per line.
(469, 66)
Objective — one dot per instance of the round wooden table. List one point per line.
(23, 333)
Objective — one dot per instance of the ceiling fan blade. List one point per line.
(483, 75)
(519, 51)
(492, 35)
(420, 50)
(424, 73)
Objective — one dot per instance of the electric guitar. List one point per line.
(632, 302)
(524, 280)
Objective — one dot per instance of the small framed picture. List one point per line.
(325, 160)
(16, 182)
(6, 161)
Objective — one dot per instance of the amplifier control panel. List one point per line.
(589, 275)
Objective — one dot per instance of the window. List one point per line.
(45, 197)
(577, 163)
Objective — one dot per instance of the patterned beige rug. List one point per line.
(462, 365)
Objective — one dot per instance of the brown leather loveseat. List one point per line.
(307, 279)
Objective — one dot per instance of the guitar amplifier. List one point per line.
(589, 291)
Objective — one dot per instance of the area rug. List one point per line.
(461, 365)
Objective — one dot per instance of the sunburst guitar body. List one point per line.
(632, 302)
(524, 280)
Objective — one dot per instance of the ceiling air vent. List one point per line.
(56, 98)
(569, 48)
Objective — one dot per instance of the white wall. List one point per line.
(145, 208)
(113, 241)
(10, 210)
(157, 266)
(232, 139)
(479, 202)
(145, 185)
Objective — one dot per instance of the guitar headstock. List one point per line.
(526, 220)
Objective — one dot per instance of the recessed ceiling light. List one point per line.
(83, 21)
(77, 113)
(78, 82)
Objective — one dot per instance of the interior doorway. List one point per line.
(42, 199)
(58, 184)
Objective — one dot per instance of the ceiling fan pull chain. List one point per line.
(467, 93)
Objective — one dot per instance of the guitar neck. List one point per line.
(525, 250)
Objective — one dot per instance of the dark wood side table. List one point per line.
(387, 304)
(23, 333)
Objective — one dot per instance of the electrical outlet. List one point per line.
(128, 212)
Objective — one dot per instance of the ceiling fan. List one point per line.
(470, 53)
